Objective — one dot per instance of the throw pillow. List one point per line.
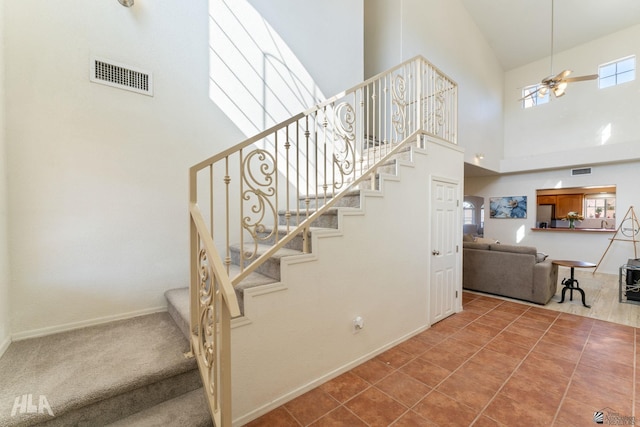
(540, 256)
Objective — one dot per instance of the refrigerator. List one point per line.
(544, 216)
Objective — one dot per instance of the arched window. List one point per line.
(469, 213)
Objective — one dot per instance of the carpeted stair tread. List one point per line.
(178, 299)
(190, 410)
(261, 249)
(83, 372)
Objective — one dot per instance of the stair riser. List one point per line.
(183, 324)
(296, 243)
(328, 220)
(349, 201)
(367, 185)
(369, 157)
(110, 410)
(270, 268)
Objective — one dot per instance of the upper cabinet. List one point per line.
(547, 200)
(568, 203)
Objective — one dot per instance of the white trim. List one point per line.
(5, 345)
(84, 323)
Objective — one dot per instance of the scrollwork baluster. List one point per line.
(260, 181)
(344, 156)
(399, 115)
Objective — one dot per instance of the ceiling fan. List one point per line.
(557, 83)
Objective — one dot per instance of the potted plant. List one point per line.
(598, 212)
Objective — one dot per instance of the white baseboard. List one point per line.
(34, 333)
(4, 345)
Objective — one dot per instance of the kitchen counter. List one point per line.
(579, 230)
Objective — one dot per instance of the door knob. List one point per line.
(434, 252)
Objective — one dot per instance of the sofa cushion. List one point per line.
(474, 245)
(486, 240)
(527, 250)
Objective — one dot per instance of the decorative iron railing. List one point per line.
(269, 189)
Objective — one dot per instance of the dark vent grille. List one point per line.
(581, 171)
(121, 76)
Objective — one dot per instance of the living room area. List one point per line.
(563, 187)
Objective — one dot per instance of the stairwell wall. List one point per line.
(5, 330)
(445, 34)
(97, 175)
(300, 333)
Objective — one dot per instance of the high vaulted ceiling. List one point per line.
(519, 31)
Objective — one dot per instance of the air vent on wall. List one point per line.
(581, 171)
(125, 77)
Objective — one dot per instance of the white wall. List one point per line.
(444, 33)
(571, 130)
(310, 314)
(329, 44)
(98, 176)
(5, 331)
(558, 244)
(543, 143)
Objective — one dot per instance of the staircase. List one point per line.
(307, 235)
(130, 373)
(255, 210)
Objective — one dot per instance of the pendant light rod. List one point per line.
(551, 71)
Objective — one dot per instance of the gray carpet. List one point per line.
(188, 410)
(96, 375)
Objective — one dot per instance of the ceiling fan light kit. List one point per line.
(556, 84)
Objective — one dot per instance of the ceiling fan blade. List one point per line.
(581, 78)
(561, 75)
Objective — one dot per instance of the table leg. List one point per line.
(569, 286)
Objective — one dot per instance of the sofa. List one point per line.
(513, 271)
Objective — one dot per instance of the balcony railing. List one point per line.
(269, 189)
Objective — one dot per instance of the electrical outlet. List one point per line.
(358, 324)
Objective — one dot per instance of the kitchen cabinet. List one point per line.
(566, 203)
(547, 200)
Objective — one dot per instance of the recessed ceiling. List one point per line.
(519, 31)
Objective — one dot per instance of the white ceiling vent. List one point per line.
(581, 171)
(122, 76)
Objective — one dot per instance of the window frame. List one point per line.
(470, 208)
(529, 101)
(612, 79)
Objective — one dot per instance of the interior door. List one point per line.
(444, 249)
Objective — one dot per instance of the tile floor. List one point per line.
(497, 363)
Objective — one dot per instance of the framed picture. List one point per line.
(508, 207)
